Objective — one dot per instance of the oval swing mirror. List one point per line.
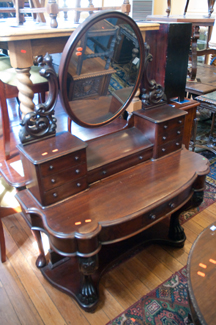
(100, 68)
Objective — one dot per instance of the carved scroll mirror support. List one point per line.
(41, 123)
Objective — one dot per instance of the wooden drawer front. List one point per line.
(65, 162)
(165, 208)
(61, 192)
(63, 177)
(170, 136)
(171, 124)
(168, 148)
(130, 227)
(119, 165)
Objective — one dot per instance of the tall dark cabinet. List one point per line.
(170, 50)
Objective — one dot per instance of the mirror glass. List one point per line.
(102, 69)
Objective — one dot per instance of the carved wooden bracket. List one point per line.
(151, 92)
(41, 122)
(193, 70)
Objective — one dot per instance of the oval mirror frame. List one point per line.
(71, 46)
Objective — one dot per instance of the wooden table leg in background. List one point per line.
(21, 58)
(2, 243)
(168, 7)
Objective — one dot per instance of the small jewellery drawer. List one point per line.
(64, 191)
(169, 147)
(168, 136)
(67, 175)
(67, 161)
(171, 124)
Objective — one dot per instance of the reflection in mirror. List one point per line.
(103, 70)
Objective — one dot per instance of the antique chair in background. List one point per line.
(52, 8)
(8, 90)
(210, 7)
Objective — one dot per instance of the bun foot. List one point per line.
(41, 261)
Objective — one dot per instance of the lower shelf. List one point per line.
(65, 275)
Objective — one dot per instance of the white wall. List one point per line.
(177, 7)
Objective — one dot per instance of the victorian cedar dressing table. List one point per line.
(97, 198)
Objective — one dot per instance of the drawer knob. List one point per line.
(180, 121)
(76, 158)
(104, 172)
(140, 157)
(53, 180)
(55, 194)
(152, 216)
(164, 138)
(51, 167)
(77, 171)
(177, 144)
(165, 126)
(163, 149)
(178, 132)
(78, 184)
(172, 205)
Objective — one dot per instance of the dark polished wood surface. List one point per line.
(115, 196)
(113, 209)
(202, 277)
(9, 173)
(167, 52)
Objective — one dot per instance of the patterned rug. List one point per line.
(119, 80)
(203, 130)
(211, 177)
(209, 198)
(165, 305)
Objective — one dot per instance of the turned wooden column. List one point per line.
(24, 85)
(52, 9)
(126, 7)
(210, 7)
(41, 259)
(19, 4)
(21, 59)
(77, 13)
(168, 7)
(91, 6)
